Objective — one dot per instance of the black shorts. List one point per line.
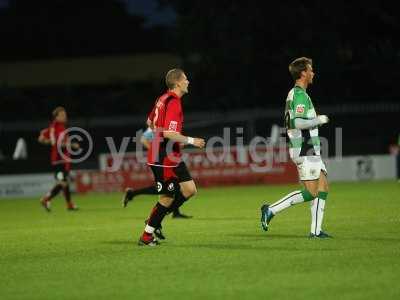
(61, 173)
(163, 174)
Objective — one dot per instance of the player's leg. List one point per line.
(167, 189)
(293, 198)
(187, 190)
(153, 223)
(55, 190)
(296, 197)
(66, 190)
(318, 207)
(308, 193)
(131, 193)
(46, 199)
(67, 196)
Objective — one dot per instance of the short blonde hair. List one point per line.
(57, 110)
(172, 77)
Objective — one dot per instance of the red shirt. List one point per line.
(56, 134)
(166, 115)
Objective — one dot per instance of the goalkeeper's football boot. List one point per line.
(148, 240)
(128, 196)
(45, 203)
(266, 216)
(321, 235)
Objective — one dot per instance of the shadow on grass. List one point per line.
(232, 246)
(120, 242)
(261, 235)
(269, 236)
(253, 247)
(222, 219)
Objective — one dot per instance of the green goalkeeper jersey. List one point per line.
(302, 142)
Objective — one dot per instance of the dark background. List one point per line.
(235, 53)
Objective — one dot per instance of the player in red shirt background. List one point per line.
(55, 136)
(173, 181)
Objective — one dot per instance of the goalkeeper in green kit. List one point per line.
(302, 124)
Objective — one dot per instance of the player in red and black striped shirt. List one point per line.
(173, 181)
(130, 192)
(56, 137)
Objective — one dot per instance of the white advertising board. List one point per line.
(26, 185)
(361, 168)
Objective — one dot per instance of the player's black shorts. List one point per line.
(180, 173)
(61, 173)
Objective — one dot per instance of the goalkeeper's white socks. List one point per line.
(317, 215)
(287, 201)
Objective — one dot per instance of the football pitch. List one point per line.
(221, 253)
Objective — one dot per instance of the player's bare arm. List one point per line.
(177, 137)
(43, 140)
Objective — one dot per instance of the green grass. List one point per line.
(220, 254)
